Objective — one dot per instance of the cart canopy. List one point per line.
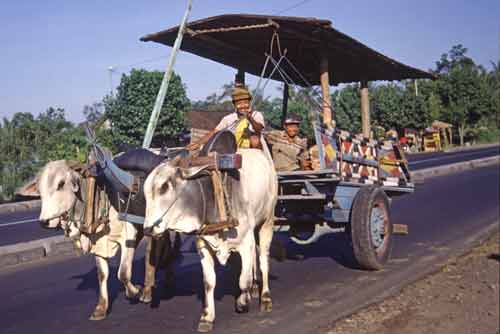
(242, 40)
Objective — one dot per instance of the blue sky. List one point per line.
(56, 53)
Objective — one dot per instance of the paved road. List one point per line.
(427, 160)
(22, 226)
(12, 231)
(58, 296)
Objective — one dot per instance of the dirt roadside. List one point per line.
(463, 297)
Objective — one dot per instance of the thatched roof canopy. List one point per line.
(241, 41)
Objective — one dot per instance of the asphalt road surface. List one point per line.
(23, 226)
(315, 284)
(427, 160)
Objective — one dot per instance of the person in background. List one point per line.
(288, 149)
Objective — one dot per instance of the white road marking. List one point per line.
(19, 222)
(439, 158)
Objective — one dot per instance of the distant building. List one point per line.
(201, 122)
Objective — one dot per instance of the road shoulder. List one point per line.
(462, 297)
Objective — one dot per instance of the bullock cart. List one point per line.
(354, 176)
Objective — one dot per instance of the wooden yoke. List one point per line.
(219, 194)
(90, 204)
(92, 200)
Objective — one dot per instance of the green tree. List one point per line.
(387, 107)
(461, 90)
(130, 109)
(347, 105)
(96, 119)
(27, 143)
(93, 113)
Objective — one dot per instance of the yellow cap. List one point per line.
(240, 93)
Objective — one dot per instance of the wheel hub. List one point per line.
(377, 226)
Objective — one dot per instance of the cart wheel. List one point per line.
(371, 228)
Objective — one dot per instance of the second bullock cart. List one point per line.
(355, 176)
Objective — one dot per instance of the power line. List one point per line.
(119, 68)
(114, 68)
(298, 4)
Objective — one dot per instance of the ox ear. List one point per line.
(30, 189)
(75, 165)
(74, 178)
(192, 172)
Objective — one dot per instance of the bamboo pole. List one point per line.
(160, 98)
(365, 109)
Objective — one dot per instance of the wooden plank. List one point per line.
(401, 229)
(306, 173)
(301, 197)
(311, 180)
(358, 160)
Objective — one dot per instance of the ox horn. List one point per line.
(75, 165)
(193, 172)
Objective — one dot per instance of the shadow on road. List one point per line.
(336, 246)
(188, 280)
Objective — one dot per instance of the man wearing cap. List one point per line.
(288, 149)
(245, 124)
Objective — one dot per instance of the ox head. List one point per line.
(58, 185)
(171, 201)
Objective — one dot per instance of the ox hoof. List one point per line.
(242, 308)
(255, 291)
(146, 296)
(266, 306)
(134, 294)
(205, 326)
(98, 315)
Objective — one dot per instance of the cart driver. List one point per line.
(289, 150)
(245, 124)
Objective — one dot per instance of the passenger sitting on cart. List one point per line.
(288, 149)
(244, 123)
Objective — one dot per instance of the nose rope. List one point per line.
(159, 220)
(70, 212)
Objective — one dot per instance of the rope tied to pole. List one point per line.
(270, 23)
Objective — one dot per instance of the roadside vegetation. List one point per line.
(465, 94)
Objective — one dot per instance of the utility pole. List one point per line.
(111, 69)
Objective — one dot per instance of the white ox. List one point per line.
(180, 200)
(62, 207)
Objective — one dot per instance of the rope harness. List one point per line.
(71, 218)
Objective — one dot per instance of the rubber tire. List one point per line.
(364, 251)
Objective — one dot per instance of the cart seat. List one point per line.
(222, 142)
(138, 159)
